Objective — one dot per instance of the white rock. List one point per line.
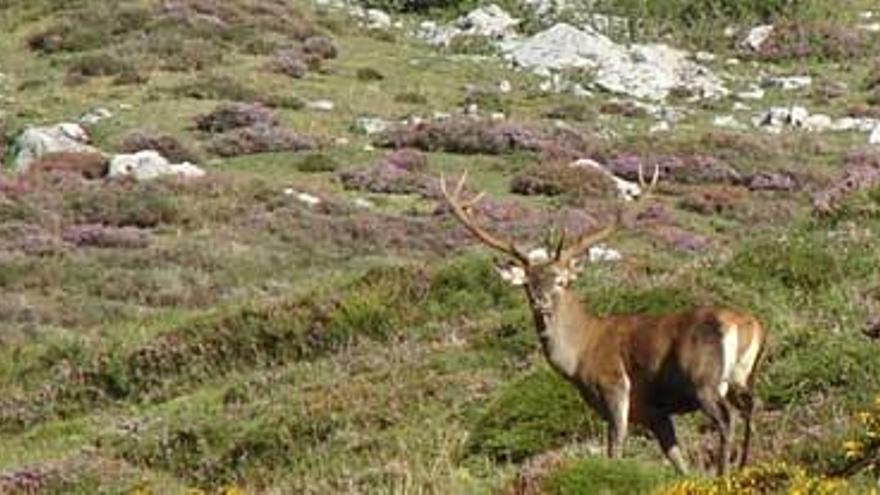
(96, 115)
(661, 126)
(370, 125)
(581, 92)
(601, 253)
(798, 116)
(497, 116)
(757, 36)
(308, 199)
(874, 138)
(705, 57)
(321, 105)
(739, 106)
(363, 203)
(730, 31)
(818, 123)
(643, 71)
(754, 93)
(435, 34)
(35, 142)
(490, 21)
(866, 15)
(608, 24)
(377, 19)
(505, 87)
(733, 62)
(873, 27)
(789, 83)
(149, 165)
(776, 118)
(441, 116)
(727, 122)
(854, 124)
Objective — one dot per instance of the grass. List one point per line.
(256, 342)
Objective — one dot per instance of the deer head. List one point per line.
(547, 272)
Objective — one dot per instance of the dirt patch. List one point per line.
(259, 139)
(167, 145)
(229, 116)
(861, 171)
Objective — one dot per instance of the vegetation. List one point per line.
(307, 319)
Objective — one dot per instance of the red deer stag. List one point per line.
(637, 368)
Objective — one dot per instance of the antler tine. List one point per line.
(460, 211)
(589, 238)
(560, 245)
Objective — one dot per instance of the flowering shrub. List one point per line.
(767, 478)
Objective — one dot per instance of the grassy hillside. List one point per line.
(224, 335)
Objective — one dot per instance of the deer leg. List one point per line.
(743, 400)
(617, 402)
(664, 431)
(716, 407)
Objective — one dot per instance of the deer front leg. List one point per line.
(664, 431)
(617, 402)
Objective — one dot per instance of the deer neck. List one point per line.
(564, 328)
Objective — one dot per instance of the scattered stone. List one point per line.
(753, 93)
(757, 37)
(505, 87)
(818, 122)
(96, 115)
(601, 252)
(739, 106)
(874, 138)
(705, 57)
(321, 105)
(728, 122)
(778, 117)
(789, 83)
(370, 125)
(149, 165)
(642, 71)
(364, 203)
(855, 124)
(38, 141)
(377, 19)
(436, 35)
(659, 127)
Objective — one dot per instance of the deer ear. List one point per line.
(511, 273)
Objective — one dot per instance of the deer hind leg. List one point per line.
(718, 410)
(744, 402)
(664, 431)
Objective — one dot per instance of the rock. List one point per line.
(505, 87)
(321, 105)
(855, 124)
(753, 93)
(739, 106)
(38, 141)
(728, 122)
(642, 71)
(778, 117)
(601, 252)
(490, 21)
(874, 138)
(661, 126)
(370, 125)
(364, 203)
(377, 19)
(436, 35)
(789, 83)
(818, 122)
(705, 57)
(757, 36)
(94, 116)
(872, 27)
(732, 62)
(148, 165)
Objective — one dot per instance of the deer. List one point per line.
(639, 369)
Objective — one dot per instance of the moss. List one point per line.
(602, 476)
(538, 412)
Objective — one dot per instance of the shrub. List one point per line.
(167, 145)
(538, 412)
(316, 163)
(824, 40)
(368, 74)
(761, 479)
(576, 112)
(258, 139)
(216, 87)
(106, 237)
(291, 63)
(320, 46)
(575, 182)
(606, 476)
(229, 116)
(101, 64)
(411, 98)
(86, 165)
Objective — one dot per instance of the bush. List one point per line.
(229, 116)
(316, 163)
(761, 479)
(368, 74)
(538, 412)
(411, 98)
(214, 87)
(575, 182)
(606, 476)
(86, 165)
(259, 139)
(167, 145)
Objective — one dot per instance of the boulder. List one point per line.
(757, 37)
(370, 125)
(38, 141)
(648, 71)
(490, 21)
(148, 165)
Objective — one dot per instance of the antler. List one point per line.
(461, 208)
(591, 237)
